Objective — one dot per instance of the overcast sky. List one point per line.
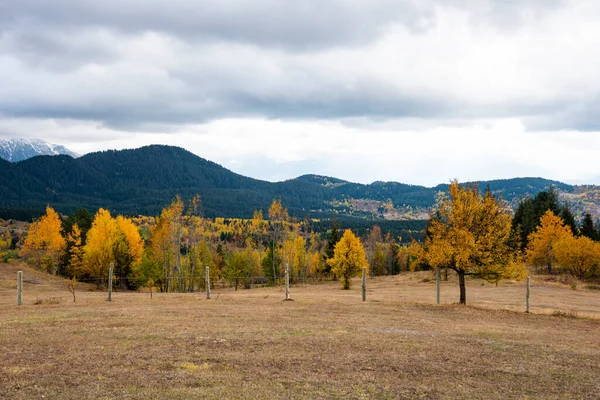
(416, 91)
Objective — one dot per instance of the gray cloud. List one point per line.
(306, 24)
(579, 114)
(148, 63)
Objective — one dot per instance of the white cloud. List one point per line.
(277, 150)
(419, 92)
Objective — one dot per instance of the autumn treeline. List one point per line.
(549, 238)
(474, 235)
(171, 251)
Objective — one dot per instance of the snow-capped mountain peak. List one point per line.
(15, 150)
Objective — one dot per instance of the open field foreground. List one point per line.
(325, 344)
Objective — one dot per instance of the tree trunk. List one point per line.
(549, 267)
(347, 278)
(273, 261)
(192, 272)
(461, 285)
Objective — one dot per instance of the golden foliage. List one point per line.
(103, 241)
(415, 255)
(469, 233)
(5, 241)
(44, 244)
(133, 238)
(580, 256)
(541, 242)
(348, 258)
(316, 264)
(277, 212)
(76, 250)
(165, 240)
(98, 250)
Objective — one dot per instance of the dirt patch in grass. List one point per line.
(325, 344)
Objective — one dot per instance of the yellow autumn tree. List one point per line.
(580, 256)
(76, 250)
(541, 242)
(278, 219)
(348, 258)
(165, 242)
(111, 240)
(44, 244)
(128, 249)
(469, 233)
(5, 241)
(316, 264)
(132, 236)
(98, 250)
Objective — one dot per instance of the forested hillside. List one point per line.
(143, 180)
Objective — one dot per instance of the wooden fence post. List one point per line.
(19, 288)
(364, 284)
(287, 282)
(110, 275)
(528, 294)
(437, 284)
(207, 282)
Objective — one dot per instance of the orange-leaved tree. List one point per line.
(348, 258)
(469, 233)
(541, 242)
(44, 244)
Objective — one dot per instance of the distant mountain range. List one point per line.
(144, 180)
(15, 150)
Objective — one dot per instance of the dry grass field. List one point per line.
(325, 344)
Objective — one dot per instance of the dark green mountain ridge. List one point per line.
(143, 180)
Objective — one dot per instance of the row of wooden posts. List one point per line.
(287, 286)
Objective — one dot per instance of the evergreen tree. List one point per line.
(544, 201)
(588, 229)
(568, 218)
(270, 264)
(529, 212)
(122, 261)
(83, 218)
(334, 238)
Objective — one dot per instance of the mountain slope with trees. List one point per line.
(142, 181)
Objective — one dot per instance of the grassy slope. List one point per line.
(325, 344)
(35, 283)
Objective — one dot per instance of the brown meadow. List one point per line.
(325, 344)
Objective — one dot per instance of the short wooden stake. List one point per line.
(207, 282)
(110, 275)
(528, 294)
(437, 284)
(19, 288)
(364, 284)
(287, 282)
